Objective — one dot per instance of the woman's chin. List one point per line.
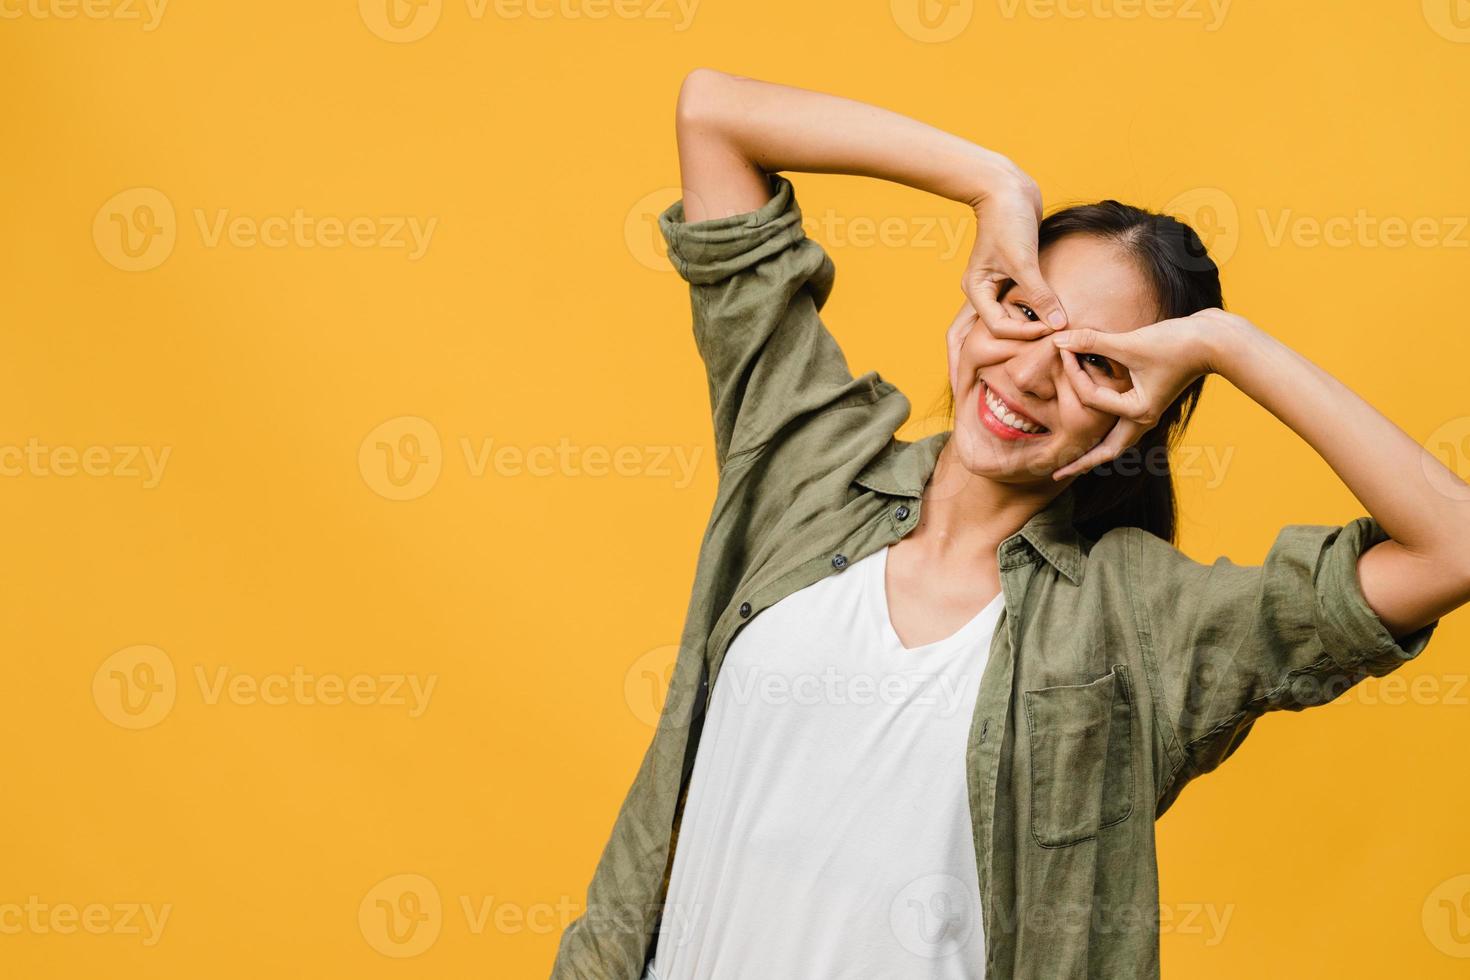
(984, 454)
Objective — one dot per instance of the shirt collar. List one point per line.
(903, 468)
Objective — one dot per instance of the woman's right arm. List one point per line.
(733, 132)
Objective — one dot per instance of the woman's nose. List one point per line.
(1034, 368)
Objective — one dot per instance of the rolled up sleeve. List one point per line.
(757, 284)
(1233, 642)
(1351, 631)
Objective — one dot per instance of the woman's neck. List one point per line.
(965, 514)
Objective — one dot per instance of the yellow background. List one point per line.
(540, 596)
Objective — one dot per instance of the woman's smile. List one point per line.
(1005, 419)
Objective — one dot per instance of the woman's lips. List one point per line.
(993, 414)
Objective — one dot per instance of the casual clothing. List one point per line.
(1120, 668)
(827, 830)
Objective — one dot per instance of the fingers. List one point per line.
(1125, 432)
(983, 295)
(1092, 394)
(1043, 301)
(1088, 340)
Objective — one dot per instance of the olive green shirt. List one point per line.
(1120, 669)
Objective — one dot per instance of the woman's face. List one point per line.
(1017, 416)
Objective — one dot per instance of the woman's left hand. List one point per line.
(1161, 359)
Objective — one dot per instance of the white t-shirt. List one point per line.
(827, 831)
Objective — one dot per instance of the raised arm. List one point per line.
(1409, 581)
(733, 132)
(1423, 571)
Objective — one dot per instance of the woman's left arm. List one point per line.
(1419, 575)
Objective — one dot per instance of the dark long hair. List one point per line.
(1137, 488)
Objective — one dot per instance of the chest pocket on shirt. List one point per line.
(1081, 758)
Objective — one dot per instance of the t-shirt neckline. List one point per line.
(877, 601)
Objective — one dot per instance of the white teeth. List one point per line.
(999, 410)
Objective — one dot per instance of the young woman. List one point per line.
(960, 677)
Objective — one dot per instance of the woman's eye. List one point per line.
(1097, 361)
(1027, 312)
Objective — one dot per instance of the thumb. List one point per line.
(1089, 340)
(1043, 301)
(982, 292)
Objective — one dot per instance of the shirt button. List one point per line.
(745, 610)
(839, 562)
(902, 513)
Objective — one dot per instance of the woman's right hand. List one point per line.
(1006, 221)
(734, 130)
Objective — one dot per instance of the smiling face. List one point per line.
(1017, 417)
